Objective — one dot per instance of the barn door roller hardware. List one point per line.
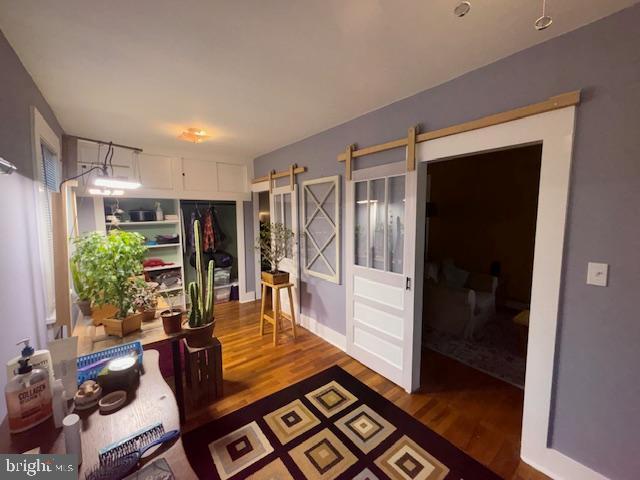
(413, 137)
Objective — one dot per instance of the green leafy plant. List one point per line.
(108, 264)
(79, 285)
(144, 295)
(82, 266)
(202, 307)
(274, 243)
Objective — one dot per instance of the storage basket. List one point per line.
(113, 352)
(222, 293)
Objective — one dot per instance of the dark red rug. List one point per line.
(329, 426)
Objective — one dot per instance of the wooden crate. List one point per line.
(203, 369)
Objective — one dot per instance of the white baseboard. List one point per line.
(247, 297)
(560, 467)
(334, 338)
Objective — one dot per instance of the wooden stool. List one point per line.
(274, 317)
(203, 368)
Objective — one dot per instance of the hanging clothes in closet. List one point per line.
(208, 236)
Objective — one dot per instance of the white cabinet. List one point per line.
(232, 177)
(163, 176)
(157, 172)
(211, 180)
(199, 176)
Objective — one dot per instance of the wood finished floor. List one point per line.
(477, 413)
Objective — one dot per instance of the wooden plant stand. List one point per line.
(203, 368)
(274, 317)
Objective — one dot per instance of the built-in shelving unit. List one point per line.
(168, 252)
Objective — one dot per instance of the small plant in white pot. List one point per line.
(201, 317)
(274, 243)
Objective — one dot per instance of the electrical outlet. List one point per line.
(597, 274)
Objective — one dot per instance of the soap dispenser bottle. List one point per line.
(159, 212)
(28, 394)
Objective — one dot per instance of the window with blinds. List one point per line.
(50, 177)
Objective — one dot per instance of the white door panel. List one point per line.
(284, 209)
(381, 232)
(387, 294)
(378, 320)
(377, 346)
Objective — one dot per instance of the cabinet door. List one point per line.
(232, 177)
(156, 172)
(199, 175)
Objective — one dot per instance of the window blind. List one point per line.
(50, 177)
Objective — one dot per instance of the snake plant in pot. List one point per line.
(201, 318)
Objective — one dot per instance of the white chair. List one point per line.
(454, 309)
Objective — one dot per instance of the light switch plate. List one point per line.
(597, 274)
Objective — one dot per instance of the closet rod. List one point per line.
(100, 142)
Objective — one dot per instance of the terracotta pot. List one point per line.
(122, 327)
(148, 315)
(171, 320)
(199, 337)
(85, 307)
(276, 278)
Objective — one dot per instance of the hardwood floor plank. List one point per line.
(477, 413)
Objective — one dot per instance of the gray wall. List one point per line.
(19, 303)
(596, 416)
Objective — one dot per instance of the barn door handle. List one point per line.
(408, 283)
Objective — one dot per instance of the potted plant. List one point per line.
(274, 242)
(145, 300)
(81, 289)
(112, 262)
(201, 320)
(83, 272)
(171, 318)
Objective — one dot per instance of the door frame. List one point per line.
(555, 130)
(256, 188)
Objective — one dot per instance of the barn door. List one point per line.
(380, 262)
(284, 209)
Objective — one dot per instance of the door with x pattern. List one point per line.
(320, 221)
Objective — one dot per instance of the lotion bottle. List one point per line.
(28, 394)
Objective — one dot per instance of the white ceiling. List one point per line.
(257, 74)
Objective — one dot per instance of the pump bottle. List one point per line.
(28, 394)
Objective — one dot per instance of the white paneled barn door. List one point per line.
(380, 264)
(284, 209)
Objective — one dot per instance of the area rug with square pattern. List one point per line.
(329, 426)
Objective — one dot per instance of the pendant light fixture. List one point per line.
(545, 20)
(105, 183)
(110, 184)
